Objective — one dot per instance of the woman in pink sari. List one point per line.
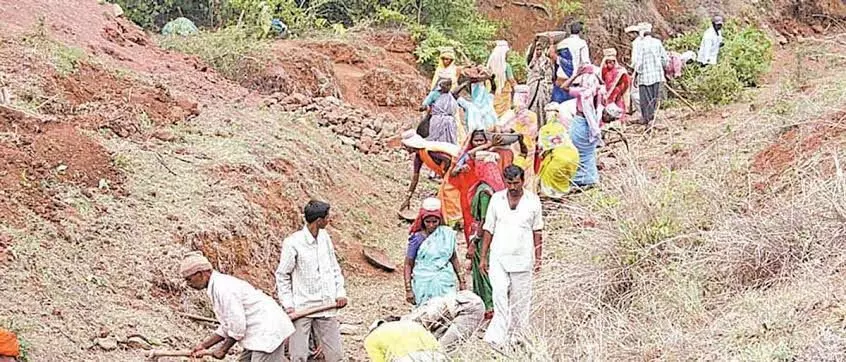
(617, 81)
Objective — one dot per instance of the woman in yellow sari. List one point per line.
(446, 68)
(524, 122)
(503, 77)
(560, 157)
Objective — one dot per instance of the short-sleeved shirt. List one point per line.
(439, 157)
(513, 243)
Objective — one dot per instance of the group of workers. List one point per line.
(506, 154)
(487, 191)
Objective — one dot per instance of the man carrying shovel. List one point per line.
(309, 276)
(246, 315)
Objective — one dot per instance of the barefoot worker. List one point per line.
(438, 157)
(393, 340)
(431, 262)
(510, 251)
(452, 318)
(309, 276)
(246, 315)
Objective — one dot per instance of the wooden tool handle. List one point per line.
(165, 353)
(309, 311)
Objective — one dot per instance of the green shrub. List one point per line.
(518, 65)
(719, 84)
(745, 56)
(232, 51)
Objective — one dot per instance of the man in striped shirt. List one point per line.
(649, 67)
(309, 276)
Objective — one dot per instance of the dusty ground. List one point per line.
(119, 156)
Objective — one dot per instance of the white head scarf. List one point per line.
(497, 63)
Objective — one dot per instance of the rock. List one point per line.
(164, 135)
(367, 132)
(269, 101)
(347, 141)
(117, 11)
(106, 344)
(278, 96)
(818, 28)
(322, 122)
(104, 332)
(332, 101)
(348, 329)
(365, 144)
(296, 98)
(377, 125)
(137, 342)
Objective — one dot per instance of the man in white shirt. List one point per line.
(309, 276)
(246, 315)
(578, 47)
(511, 249)
(712, 41)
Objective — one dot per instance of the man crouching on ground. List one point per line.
(246, 315)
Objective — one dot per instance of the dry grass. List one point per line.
(688, 261)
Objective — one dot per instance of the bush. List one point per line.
(719, 84)
(519, 66)
(232, 51)
(745, 56)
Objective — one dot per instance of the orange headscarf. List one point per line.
(9, 346)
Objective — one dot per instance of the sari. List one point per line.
(560, 160)
(525, 122)
(584, 129)
(479, 110)
(540, 83)
(448, 194)
(503, 74)
(442, 127)
(617, 85)
(433, 275)
(483, 169)
(479, 208)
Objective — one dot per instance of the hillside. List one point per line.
(717, 238)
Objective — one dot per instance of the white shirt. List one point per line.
(635, 44)
(710, 46)
(247, 315)
(513, 243)
(308, 274)
(578, 50)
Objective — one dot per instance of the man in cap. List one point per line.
(712, 41)
(649, 66)
(395, 340)
(636, 32)
(246, 315)
(309, 276)
(452, 318)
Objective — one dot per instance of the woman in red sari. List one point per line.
(477, 176)
(617, 81)
(471, 170)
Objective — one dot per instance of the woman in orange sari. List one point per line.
(438, 157)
